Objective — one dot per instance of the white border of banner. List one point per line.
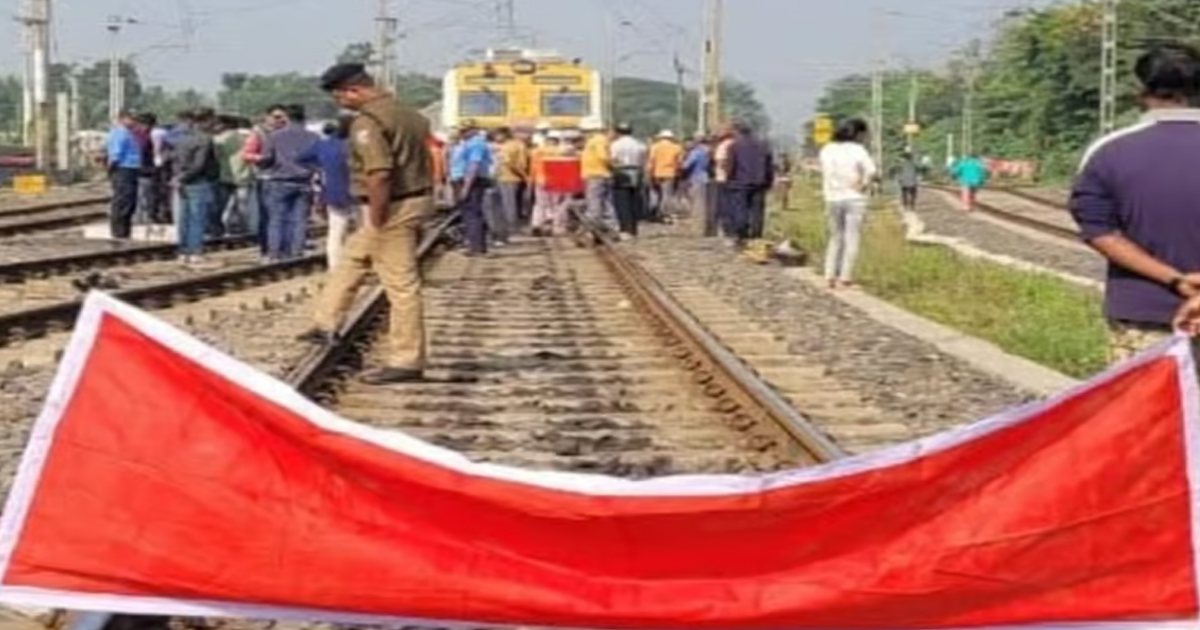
(97, 305)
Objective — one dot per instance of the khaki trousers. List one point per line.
(1127, 339)
(391, 252)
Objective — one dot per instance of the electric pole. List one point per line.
(610, 69)
(116, 90)
(26, 86)
(679, 93)
(37, 25)
(385, 40)
(912, 128)
(877, 92)
(710, 91)
(1108, 67)
(967, 140)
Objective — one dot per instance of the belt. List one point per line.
(403, 196)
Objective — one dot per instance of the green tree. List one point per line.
(358, 52)
(1038, 88)
(651, 105)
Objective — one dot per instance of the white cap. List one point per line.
(543, 126)
(554, 134)
(666, 133)
(591, 123)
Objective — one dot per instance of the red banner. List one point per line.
(165, 477)
(1012, 169)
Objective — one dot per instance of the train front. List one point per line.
(514, 87)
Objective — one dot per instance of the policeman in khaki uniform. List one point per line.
(391, 170)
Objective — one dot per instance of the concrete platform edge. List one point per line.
(980, 354)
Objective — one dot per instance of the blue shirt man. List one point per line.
(697, 163)
(1135, 200)
(330, 157)
(473, 150)
(123, 149)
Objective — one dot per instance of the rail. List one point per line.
(86, 213)
(50, 206)
(1017, 218)
(740, 389)
(312, 372)
(715, 367)
(40, 267)
(39, 321)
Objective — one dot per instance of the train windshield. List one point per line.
(482, 104)
(566, 104)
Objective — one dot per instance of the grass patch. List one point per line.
(1036, 316)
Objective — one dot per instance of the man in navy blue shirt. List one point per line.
(1135, 200)
(751, 173)
(287, 186)
(124, 168)
(330, 157)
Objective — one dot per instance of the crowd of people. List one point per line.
(503, 181)
(215, 176)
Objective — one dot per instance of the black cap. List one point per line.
(337, 76)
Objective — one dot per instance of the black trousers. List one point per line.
(124, 201)
(745, 212)
(712, 207)
(908, 196)
(628, 202)
(475, 230)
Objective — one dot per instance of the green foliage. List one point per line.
(651, 106)
(1038, 88)
(1033, 315)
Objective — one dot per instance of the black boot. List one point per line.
(318, 337)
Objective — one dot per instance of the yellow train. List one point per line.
(513, 86)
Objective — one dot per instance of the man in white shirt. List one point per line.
(628, 156)
(847, 171)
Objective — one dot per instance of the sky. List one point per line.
(787, 49)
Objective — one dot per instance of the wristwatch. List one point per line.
(1174, 283)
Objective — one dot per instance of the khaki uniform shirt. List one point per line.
(388, 136)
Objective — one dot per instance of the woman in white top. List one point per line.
(846, 171)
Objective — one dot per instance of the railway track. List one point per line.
(41, 207)
(1034, 197)
(59, 315)
(1039, 220)
(43, 267)
(50, 217)
(553, 354)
